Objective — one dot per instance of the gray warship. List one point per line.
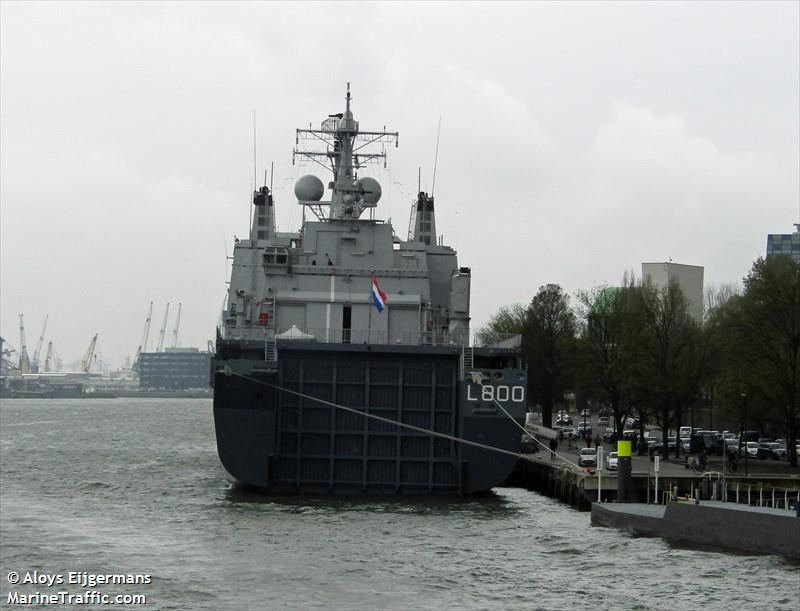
(344, 361)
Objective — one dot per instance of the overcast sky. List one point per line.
(577, 140)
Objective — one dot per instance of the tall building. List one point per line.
(688, 277)
(785, 243)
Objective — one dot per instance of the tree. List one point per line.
(604, 350)
(762, 327)
(716, 296)
(548, 342)
(673, 356)
(509, 320)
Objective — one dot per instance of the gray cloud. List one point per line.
(577, 141)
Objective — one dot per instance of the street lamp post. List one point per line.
(742, 440)
(585, 433)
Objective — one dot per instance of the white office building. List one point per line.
(688, 277)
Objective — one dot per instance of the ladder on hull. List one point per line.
(270, 346)
(466, 360)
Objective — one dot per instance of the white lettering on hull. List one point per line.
(500, 393)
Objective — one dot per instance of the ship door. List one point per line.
(347, 317)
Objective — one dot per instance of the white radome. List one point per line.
(372, 190)
(309, 188)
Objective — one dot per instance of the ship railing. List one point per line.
(488, 339)
(374, 336)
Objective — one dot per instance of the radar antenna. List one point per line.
(348, 149)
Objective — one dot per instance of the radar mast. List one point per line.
(348, 150)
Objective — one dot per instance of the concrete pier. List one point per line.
(578, 487)
(709, 524)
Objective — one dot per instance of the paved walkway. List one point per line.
(674, 467)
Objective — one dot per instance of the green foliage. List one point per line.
(547, 327)
(760, 332)
(606, 352)
(548, 342)
(637, 347)
(509, 320)
(674, 355)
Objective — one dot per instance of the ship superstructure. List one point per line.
(302, 340)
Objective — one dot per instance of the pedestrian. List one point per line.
(553, 446)
(588, 440)
(732, 460)
(597, 441)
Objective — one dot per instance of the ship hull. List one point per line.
(273, 432)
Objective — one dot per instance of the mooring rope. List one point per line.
(526, 431)
(382, 419)
(411, 426)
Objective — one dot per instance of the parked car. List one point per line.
(602, 421)
(778, 450)
(686, 444)
(587, 457)
(569, 432)
(763, 450)
(685, 431)
(604, 411)
(586, 412)
(607, 434)
(752, 449)
(564, 420)
(658, 446)
(583, 429)
(712, 441)
(612, 461)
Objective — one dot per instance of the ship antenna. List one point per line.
(255, 176)
(436, 155)
(419, 179)
(271, 175)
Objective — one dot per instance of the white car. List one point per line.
(587, 457)
(611, 461)
(752, 448)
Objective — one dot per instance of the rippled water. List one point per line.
(135, 486)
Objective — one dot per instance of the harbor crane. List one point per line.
(38, 351)
(24, 363)
(160, 347)
(146, 335)
(5, 361)
(86, 361)
(177, 326)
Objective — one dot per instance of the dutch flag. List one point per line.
(378, 296)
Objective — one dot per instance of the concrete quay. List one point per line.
(708, 524)
(768, 482)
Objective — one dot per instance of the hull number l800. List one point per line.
(499, 393)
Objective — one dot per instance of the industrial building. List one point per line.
(174, 369)
(688, 277)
